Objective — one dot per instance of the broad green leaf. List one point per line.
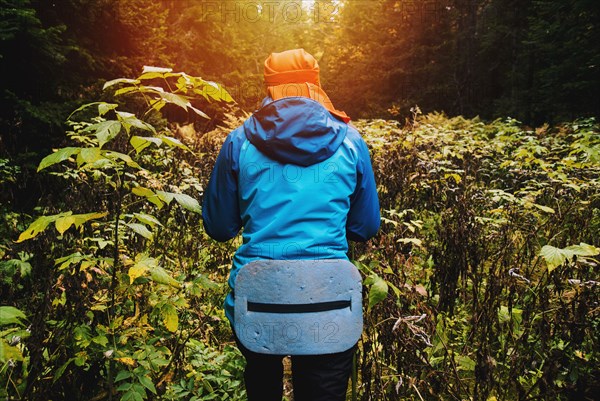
(126, 89)
(113, 82)
(60, 371)
(174, 142)
(188, 202)
(104, 107)
(24, 267)
(151, 75)
(63, 224)
(141, 191)
(11, 315)
(106, 131)
(161, 276)
(89, 156)
(166, 197)
(177, 100)
(147, 219)
(583, 249)
(102, 340)
(147, 382)
(378, 289)
(116, 155)
(68, 260)
(555, 256)
(170, 318)
(57, 157)
(85, 106)
(215, 91)
(122, 375)
(130, 120)
(140, 143)
(39, 225)
(158, 104)
(140, 229)
(464, 363)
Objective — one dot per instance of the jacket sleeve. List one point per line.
(364, 218)
(220, 206)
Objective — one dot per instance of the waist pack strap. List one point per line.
(297, 308)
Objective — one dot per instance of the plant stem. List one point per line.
(113, 283)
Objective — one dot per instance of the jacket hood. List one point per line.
(295, 130)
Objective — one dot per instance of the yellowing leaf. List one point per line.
(141, 191)
(148, 193)
(456, 177)
(142, 264)
(39, 225)
(170, 318)
(62, 224)
(136, 271)
(9, 352)
(127, 361)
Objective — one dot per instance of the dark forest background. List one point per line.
(534, 60)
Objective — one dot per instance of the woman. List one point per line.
(298, 179)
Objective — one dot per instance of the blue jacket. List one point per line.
(299, 182)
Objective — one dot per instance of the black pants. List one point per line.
(315, 377)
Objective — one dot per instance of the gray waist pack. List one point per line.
(298, 307)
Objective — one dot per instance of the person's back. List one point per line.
(298, 179)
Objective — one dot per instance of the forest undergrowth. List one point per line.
(482, 284)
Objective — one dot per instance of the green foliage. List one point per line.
(491, 298)
(210, 374)
(475, 287)
(119, 292)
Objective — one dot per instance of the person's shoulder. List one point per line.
(354, 138)
(236, 137)
(352, 133)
